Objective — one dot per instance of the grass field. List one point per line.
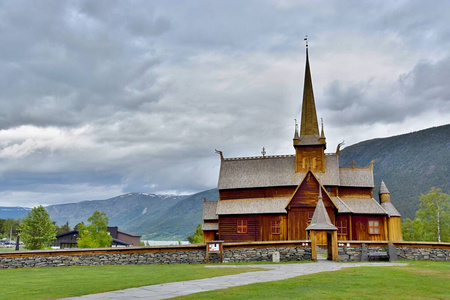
(50, 283)
(419, 280)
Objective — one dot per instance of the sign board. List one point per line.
(214, 247)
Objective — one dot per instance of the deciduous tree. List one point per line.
(432, 222)
(197, 236)
(96, 234)
(37, 230)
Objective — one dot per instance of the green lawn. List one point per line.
(419, 280)
(48, 283)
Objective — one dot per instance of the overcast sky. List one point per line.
(101, 98)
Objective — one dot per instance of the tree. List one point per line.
(7, 225)
(435, 213)
(197, 236)
(63, 229)
(37, 230)
(96, 234)
(432, 222)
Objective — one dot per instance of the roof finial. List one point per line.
(263, 152)
(322, 134)
(306, 40)
(221, 154)
(296, 130)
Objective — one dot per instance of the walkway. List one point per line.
(274, 272)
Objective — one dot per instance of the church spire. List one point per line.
(310, 144)
(309, 127)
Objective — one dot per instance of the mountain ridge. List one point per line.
(410, 164)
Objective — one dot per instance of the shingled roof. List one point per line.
(390, 209)
(210, 226)
(253, 172)
(209, 210)
(252, 206)
(321, 219)
(359, 206)
(357, 177)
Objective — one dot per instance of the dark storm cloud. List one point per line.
(105, 97)
(86, 61)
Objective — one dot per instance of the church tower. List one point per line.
(309, 144)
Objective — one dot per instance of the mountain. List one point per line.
(410, 164)
(13, 212)
(152, 216)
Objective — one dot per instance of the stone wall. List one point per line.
(184, 254)
(265, 254)
(233, 252)
(352, 251)
(408, 253)
(173, 257)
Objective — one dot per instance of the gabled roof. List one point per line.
(254, 172)
(359, 206)
(209, 210)
(320, 189)
(252, 206)
(251, 172)
(357, 177)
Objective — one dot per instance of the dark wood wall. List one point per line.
(360, 228)
(355, 192)
(256, 193)
(308, 193)
(258, 228)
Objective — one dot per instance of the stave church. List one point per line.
(284, 197)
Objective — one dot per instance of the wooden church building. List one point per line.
(269, 198)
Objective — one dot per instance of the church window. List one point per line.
(310, 215)
(304, 163)
(374, 227)
(342, 227)
(314, 163)
(275, 226)
(242, 226)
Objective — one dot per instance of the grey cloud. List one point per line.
(141, 93)
(424, 88)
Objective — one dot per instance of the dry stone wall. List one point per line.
(266, 254)
(408, 253)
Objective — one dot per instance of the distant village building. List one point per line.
(269, 198)
(120, 238)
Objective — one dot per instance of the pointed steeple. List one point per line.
(321, 219)
(310, 145)
(309, 126)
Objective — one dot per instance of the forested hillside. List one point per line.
(410, 164)
(153, 216)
